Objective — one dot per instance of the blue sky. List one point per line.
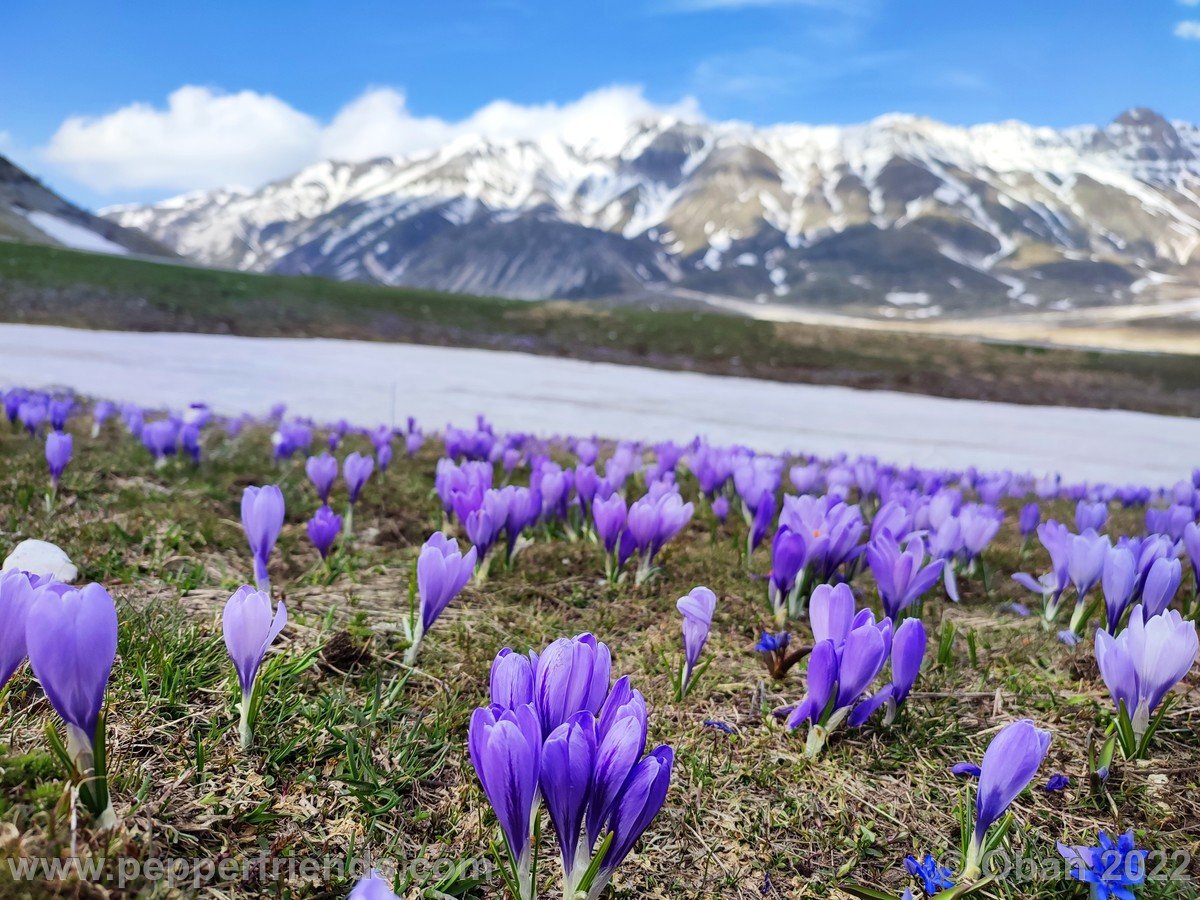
(269, 77)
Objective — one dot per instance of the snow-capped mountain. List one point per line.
(902, 215)
(32, 213)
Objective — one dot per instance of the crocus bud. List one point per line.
(58, 454)
(357, 469)
(323, 529)
(1009, 764)
(250, 626)
(72, 641)
(512, 678)
(506, 749)
(442, 571)
(572, 675)
(322, 471)
(567, 764)
(697, 610)
(262, 519)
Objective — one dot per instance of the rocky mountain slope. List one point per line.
(32, 213)
(900, 217)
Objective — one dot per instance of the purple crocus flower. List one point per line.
(262, 520)
(908, 652)
(101, 413)
(523, 506)
(161, 438)
(58, 454)
(373, 887)
(568, 765)
(572, 675)
(322, 471)
(720, 508)
(59, 411)
(511, 681)
(1090, 516)
(506, 750)
(250, 626)
(16, 599)
(1191, 545)
(484, 524)
(1009, 764)
(850, 651)
(1029, 519)
(1143, 662)
(442, 572)
(1162, 581)
(641, 797)
(71, 636)
(697, 610)
(609, 515)
(1118, 583)
(356, 469)
(902, 576)
(789, 556)
(323, 529)
(32, 413)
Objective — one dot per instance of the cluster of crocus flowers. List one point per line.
(648, 524)
(443, 570)
(849, 653)
(250, 626)
(262, 519)
(556, 731)
(1140, 665)
(697, 609)
(71, 637)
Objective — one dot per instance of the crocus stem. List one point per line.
(244, 729)
(815, 743)
(973, 867)
(348, 525)
(79, 748)
(262, 578)
(410, 655)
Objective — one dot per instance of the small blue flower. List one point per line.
(720, 726)
(1056, 782)
(1017, 609)
(772, 643)
(1068, 637)
(1111, 869)
(933, 877)
(965, 770)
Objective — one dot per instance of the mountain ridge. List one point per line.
(901, 217)
(31, 212)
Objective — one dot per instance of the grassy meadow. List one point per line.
(356, 752)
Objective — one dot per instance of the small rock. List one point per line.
(42, 558)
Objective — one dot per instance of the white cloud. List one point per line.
(1188, 29)
(206, 138)
(1189, 2)
(203, 138)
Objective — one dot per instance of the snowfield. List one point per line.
(369, 383)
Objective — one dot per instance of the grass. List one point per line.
(47, 285)
(357, 753)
